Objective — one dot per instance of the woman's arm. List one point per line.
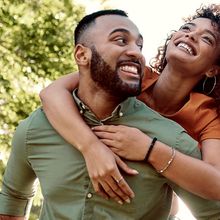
(201, 177)
(197, 176)
(101, 162)
(211, 152)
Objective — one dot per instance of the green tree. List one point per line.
(36, 44)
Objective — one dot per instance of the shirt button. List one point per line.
(89, 195)
(137, 104)
(121, 114)
(81, 112)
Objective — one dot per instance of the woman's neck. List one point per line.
(171, 91)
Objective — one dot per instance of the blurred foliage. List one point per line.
(36, 44)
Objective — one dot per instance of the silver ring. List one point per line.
(118, 181)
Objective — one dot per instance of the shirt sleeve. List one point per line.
(187, 145)
(19, 181)
(201, 208)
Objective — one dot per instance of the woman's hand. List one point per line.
(127, 142)
(102, 165)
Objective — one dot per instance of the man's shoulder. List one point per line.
(36, 128)
(137, 114)
(34, 122)
(166, 130)
(150, 114)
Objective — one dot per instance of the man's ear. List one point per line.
(213, 71)
(82, 54)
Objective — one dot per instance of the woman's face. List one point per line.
(195, 47)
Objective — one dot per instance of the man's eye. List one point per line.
(121, 40)
(140, 46)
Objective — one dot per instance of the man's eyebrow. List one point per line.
(124, 31)
(206, 30)
(119, 30)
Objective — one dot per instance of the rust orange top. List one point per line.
(198, 116)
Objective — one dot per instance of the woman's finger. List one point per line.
(106, 128)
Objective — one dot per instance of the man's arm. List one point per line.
(19, 182)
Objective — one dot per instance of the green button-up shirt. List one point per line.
(39, 152)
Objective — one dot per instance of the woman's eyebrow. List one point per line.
(206, 30)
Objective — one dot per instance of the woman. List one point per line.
(190, 56)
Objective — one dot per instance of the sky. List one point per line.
(155, 19)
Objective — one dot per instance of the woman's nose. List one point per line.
(192, 35)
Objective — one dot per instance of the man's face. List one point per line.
(109, 80)
(117, 63)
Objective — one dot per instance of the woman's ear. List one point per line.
(215, 70)
(82, 55)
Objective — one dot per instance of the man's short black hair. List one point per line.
(89, 19)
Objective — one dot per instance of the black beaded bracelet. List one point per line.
(150, 149)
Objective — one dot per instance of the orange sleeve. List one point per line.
(149, 78)
(198, 116)
(208, 120)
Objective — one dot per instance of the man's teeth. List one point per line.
(131, 69)
(187, 47)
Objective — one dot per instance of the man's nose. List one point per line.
(135, 52)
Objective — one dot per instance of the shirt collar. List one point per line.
(89, 116)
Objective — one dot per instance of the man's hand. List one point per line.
(102, 165)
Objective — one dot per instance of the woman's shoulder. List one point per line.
(149, 78)
(200, 117)
(199, 99)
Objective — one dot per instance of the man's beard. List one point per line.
(109, 80)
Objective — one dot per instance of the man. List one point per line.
(108, 54)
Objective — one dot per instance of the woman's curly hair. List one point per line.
(159, 62)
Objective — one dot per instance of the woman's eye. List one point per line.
(186, 28)
(208, 40)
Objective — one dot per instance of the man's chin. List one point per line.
(131, 92)
(133, 82)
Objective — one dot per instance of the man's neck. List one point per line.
(101, 103)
